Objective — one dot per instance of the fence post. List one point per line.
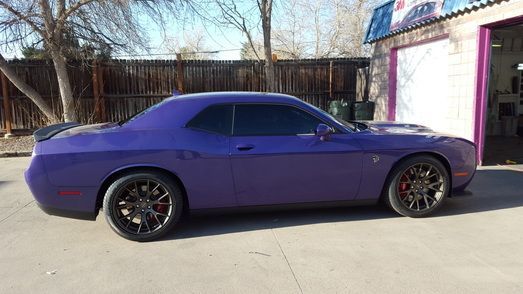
(331, 73)
(96, 92)
(99, 103)
(366, 90)
(179, 72)
(101, 87)
(7, 106)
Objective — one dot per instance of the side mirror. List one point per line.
(323, 131)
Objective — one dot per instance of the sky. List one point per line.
(215, 39)
(227, 41)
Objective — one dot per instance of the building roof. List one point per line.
(379, 26)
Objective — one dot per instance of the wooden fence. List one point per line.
(113, 90)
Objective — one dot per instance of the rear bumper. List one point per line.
(82, 206)
(67, 213)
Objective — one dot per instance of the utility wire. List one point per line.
(174, 53)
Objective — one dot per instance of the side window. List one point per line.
(277, 120)
(216, 119)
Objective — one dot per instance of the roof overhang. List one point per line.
(379, 26)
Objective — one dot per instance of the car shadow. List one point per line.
(491, 189)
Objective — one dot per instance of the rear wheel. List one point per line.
(418, 186)
(143, 206)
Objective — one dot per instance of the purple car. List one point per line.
(239, 150)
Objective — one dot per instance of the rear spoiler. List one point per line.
(47, 132)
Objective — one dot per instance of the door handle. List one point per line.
(244, 147)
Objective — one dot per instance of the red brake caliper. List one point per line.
(404, 186)
(160, 208)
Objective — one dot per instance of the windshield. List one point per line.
(140, 113)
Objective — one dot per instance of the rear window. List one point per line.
(215, 119)
(138, 114)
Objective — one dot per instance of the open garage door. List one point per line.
(421, 91)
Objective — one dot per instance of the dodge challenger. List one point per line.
(236, 150)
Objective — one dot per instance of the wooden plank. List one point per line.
(179, 71)
(6, 104)
(331, 74)
(101, 91)
(96, 93)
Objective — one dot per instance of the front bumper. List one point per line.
(48, 199)
(462, 176)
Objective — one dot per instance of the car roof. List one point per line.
(232, 97)
(188, 105)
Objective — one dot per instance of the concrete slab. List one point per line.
(473, 244)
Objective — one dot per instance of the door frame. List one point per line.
(482, 79)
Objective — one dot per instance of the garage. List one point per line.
(455, 66)
(504, 109)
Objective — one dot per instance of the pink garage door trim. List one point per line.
(482, 70)
(482, 77)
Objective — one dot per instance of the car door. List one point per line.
(276, 158)
(204, 160)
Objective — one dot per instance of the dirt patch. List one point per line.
(17, 144)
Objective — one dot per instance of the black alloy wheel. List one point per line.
(143, 206)
(418, 186)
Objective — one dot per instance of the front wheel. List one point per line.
(143, 206)
(418, 186)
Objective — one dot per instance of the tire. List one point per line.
(143, 205)
(417, 186)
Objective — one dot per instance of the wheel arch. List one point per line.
(112, 176)
(440, 157)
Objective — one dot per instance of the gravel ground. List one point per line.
(16, 144)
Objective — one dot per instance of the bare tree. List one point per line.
(192, 46)
(265, 7)
(248, 18)
(290, 32)
(27, 90)
(55, 23)
(321, 28)
(353, 18)
(248, 53)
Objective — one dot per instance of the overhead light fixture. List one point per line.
(497, 43)
(517, 66)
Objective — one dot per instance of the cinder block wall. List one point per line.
(462, 31)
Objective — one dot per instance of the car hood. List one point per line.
(400, 128)
(393, 127)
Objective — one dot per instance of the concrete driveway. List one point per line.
(473, 245)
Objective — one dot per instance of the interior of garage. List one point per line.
(504, 127)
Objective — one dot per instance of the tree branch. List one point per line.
(64, 14)
(22, 17)
(47, 15)
(29, 91)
